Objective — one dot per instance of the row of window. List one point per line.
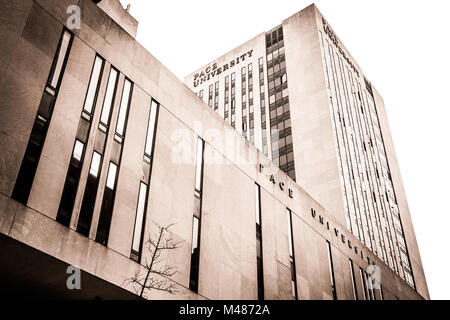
(279, 126)
(368, 196)
(97, 150)
(280, 123)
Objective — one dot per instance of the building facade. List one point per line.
(324, 124)
(100, 143)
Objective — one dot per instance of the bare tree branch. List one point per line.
(156, 277)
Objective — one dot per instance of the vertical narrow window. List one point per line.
(123, 111)
(259, 248)
(90, 193)
(71, 184)
(108, 102)
(330, 262)
(138, 223)
(25, 177)
(370, 288)
(363, 283)
(381, 292)
(292, 255)
(195, 254)
(199, 168)
(196, 222)
(76, 162)
(216, 96)
(226, 102)
(61, 60)
(210, 96)
(151, 130)
(94, 83)
(141, 212)
(244, 101)
(352, 273)
(233, 100)
(107, 205)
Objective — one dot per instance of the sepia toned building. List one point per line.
(100, 143)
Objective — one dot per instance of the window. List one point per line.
(233, 99)
(195, 249)
(73, 173)
(95, 164)
(199, 167)
(210, 96)
(111, 180)
(352, 274)
(123, 111)
(104, 222)
(138, 223)
(90, 194)
(195, 254)
(259, 250)
(94, 84)
(369, 287)
(71, 184)
(330, 262)
(363, 283)
(216, 96)
(27, 171)
(78, 150)
(109, 99)
(151, 130)
(291, 255)
(59, 63)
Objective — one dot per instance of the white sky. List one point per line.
(402, 47)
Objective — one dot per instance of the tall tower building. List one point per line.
(300, 97)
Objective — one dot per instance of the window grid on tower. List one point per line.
(233, 100)
(244, 101)
(369, 199)
(251, 108)
(280, 120)
(262, 100)
(226, 103)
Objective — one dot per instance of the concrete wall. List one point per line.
(115, 10)
(30, 31)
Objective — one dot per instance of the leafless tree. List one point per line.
(156, 274)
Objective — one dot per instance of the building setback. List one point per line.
(100, 141)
